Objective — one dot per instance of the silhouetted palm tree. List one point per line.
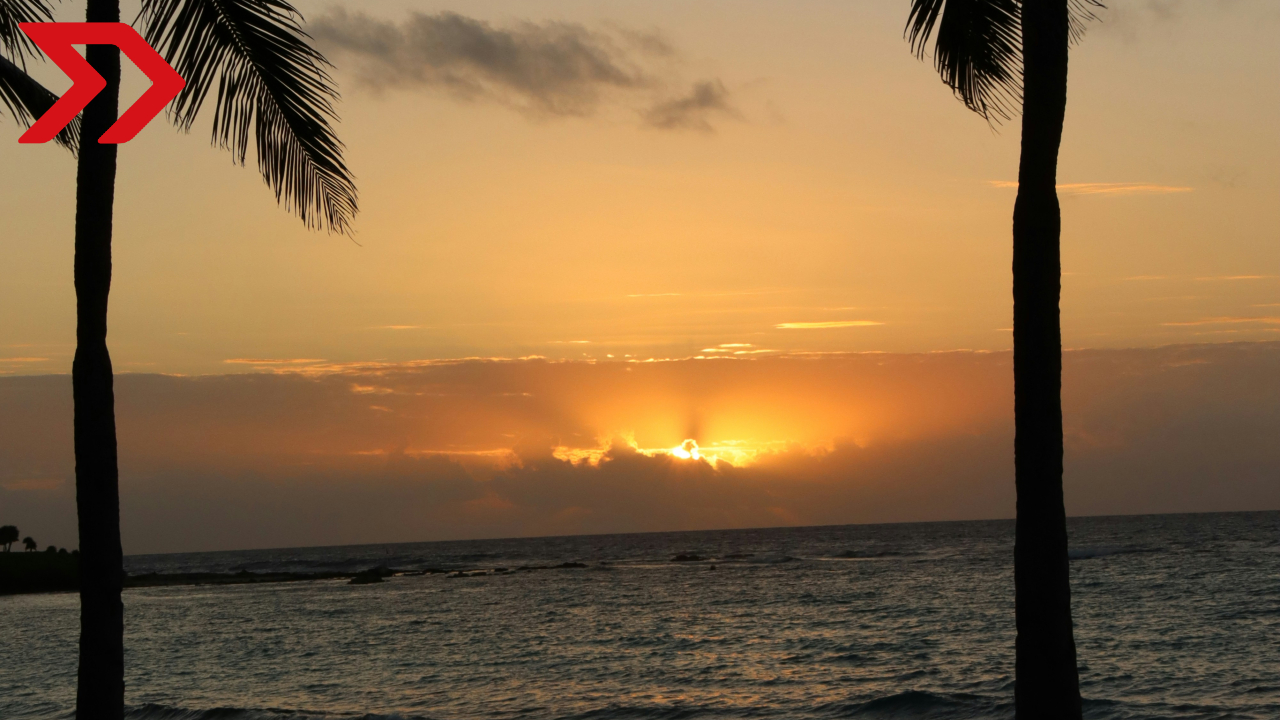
(271, 85)
(995, 54)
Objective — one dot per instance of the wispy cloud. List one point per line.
(647, 295)
(1122, 189)
(827, 324)
(1237, 332)
(396, 327)
(1225, 321)
(1206, 278)
(272, 361)
(553, 68)
(24, 360)
(547, 69)
(694, 110)
(1212, 278)
(568, 342)
(1107, 188)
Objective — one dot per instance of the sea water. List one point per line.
(1175, 617)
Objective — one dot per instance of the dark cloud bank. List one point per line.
(540, 69)
(400, 453)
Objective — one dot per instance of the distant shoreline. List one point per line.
(30, 573)
(48, 573)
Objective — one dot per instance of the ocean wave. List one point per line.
(875, 554)
(923, 705)
(767, 559)
(910, 704)
(641, 712)
(152, 711)
(1090, 553)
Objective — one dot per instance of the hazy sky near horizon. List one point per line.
(471, 449)
(656, 179)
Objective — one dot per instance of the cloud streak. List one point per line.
(1107, 188)
(1218, 278)
(1206, 278)
(1226, 321)
(273, 361)
(827, 324)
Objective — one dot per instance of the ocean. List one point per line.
(1177, 616)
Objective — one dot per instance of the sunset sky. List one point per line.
(780, 183)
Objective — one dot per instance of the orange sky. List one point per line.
(823, 175)
(639, 187)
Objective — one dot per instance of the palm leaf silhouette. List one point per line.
(26, 99)
(269, 80)
(1080, 13)
(977, 51)
(978, 48)
(13, 41)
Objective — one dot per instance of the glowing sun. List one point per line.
(688, 450)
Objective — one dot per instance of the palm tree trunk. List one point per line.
(100, 694)
(1047, 683)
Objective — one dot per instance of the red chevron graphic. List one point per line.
(56, 39)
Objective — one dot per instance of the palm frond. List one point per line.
(269, 79)
(28, 100)
(13, 41)
(977, 50)
(1079, 14)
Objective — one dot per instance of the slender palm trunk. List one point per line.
(100, 694)
(1048, 686)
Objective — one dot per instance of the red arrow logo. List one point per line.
(56, 39)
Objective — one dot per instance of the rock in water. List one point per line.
(366, 577)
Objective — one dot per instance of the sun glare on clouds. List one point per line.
(688, 450)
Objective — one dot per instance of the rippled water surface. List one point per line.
(1176, 617)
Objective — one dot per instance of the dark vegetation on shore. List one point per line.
(30, 572)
